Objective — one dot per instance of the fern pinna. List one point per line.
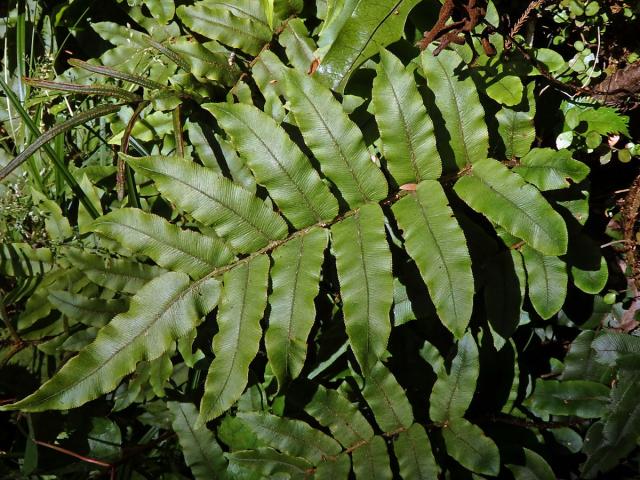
(315, 219)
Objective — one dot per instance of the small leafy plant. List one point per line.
(319, 252)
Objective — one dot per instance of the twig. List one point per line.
(521, 21)
(73, 454)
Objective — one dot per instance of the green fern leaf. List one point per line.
(413, 451)
(293, 437)
(470, 447)
(363, 261)
(387, 399)
(453, 392)
(242, 304)
(503, 295)
(22, 260)
(534, 468)
(360, 35)
(435, 241)
(549, 169)
(95, 312)
(295, 278)
(547, 279)
(335, 140)
(506, 199)
(371, 461)
(515, 126)
(334, 468)
(201, 451)
(168, 245)
(580, 398)
(118, 275)
(299, 46)
(345, 421)
(277, 163)
(165, 309)
(406, 130)
(230, 23)
(265, 463)
(458, 101)
(242, 219)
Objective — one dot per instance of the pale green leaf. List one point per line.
(162, 10)
(535, 468)
(207, 61)
(435, 241)
(550, 169)
(299, 46)
(277, 163)
(506, 199)
(117, 274)
(471, 448)
(363, 261)
(413, 451)
(343, 418)
(236, 24)
(168, 245)
(293, 437)
(506, 90)
(295, 278)
(242, 304)
(335, 140)
(335, 468)
(371, 461)
(453, 391)
(22, 260)
(581, 398)
(371, 25)
(95, 312)
(516, 126)
(239, 217)
(387, 399)
(201, 451)
(406, 131)
(458, 101)
(165, 309)
(547, 279)
(264, 463)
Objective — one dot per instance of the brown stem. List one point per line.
(73, 454)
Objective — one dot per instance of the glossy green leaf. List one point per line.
(550, 169)
(242, 304)
(435, 241)
(470, 447)
(293, 437)
(163, 10)
(387, 399)
(371, 461)
(295, 278)
(506, 199)
(165, 309)
(206, 62)
(581, 398)
(413, 451)
(168, 245)
(613, 347)
(237, 24)
(334, 468)
(547, 280)
(22, 260)
(335, 140)
(406, 131)
(534, 468)
(118, 275)
(453, 391)
(265, 463)
(516, 127)
(458, 101)
(372, 24)
(343, 418)
(201, 451)
(363, 261)
(298, 44)
(580, 361)
(506, 90)
(95, 312)
(239, 217)
(277, 163)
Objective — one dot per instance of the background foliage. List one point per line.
(275, 239)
